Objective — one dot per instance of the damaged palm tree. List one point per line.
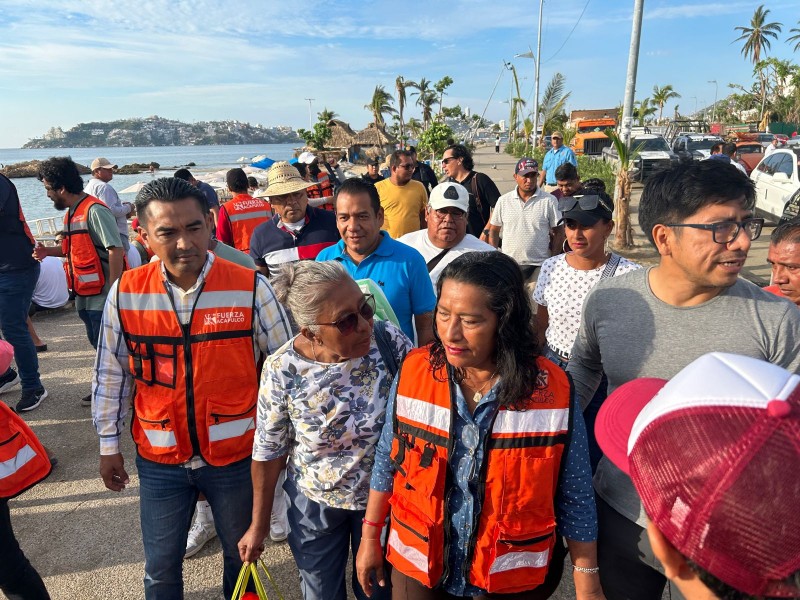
(622, 190)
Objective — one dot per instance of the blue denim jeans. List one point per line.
(16, 290)
(168, 494)
(93, 320)
(590, 413)
(320, 538)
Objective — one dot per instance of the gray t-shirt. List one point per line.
(627, 332)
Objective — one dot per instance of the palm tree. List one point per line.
(426, 97)
(326, 115)
(622, 190)
(400, 85)
(644, 110)
(380, 105)
(552, 103)
(756, 40)
(663, 95)
(795, 38)
(441, 85)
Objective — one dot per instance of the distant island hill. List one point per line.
(157, 131)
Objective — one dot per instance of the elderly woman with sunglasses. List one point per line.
(321, 407)
(566, 279)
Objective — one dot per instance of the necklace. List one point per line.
(476, 397)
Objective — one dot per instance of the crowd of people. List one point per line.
(456, 388)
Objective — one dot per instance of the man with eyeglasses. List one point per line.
(653, 322)
(446, 236)
(558, 155)
(529, 219)
(402, 198)
(296, 231)
(458, 165)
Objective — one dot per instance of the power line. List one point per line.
(571, 32)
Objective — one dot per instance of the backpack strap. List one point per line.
(611, 266)
(385, 347)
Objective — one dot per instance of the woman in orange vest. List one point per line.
(483, 458)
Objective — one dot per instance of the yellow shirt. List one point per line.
(402, 206)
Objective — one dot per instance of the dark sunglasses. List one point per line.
(348, 323)
(584, 202)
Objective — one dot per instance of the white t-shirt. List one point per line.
(420, 241)
(106, 193)
(51, 287)
(562, 289)
(526, 225)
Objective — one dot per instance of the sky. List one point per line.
(66, 62)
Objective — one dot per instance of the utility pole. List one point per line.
(310, 120)
(714, 118)
(633, 65)
(536, 84)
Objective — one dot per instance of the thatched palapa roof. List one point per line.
(342, 135)
(370, 136)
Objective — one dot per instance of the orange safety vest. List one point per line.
(511, 546)
(245, 213)
(322, 189)
(84, 267)
(142, 247)
(196, 384)
(23, 459)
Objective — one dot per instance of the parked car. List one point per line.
(653, 154)
(776, 179)
(695, 146)
(749, 154)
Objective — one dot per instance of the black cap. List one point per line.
(602, 208)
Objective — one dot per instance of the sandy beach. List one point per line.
(85, 540)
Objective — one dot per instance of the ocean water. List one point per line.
(36, 205)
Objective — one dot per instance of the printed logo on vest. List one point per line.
(224, 318)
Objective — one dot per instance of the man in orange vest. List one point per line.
(92, 245)
(182, 339)
(240, 215)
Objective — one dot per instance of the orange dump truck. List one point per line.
(590, 137)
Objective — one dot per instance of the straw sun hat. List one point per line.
(283, 178)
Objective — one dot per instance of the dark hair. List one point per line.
(461, 151)
(566, 172)
(355, 186)
(412, 149)
(252, 181)
(500, 277)
(301, 168)
(716, 148)
(787, 232)
(395, 159)
(167, 189)
(184, 174)
(729, 148)
(61, 172)
(594, 184)
(314, 169)
(236, 179)
(723, 591)
(673, 195)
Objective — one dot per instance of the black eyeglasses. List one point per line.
(454, 213)
(448, 159)
(584, 202)
(725, 232)
(348, 323)
(406, 167)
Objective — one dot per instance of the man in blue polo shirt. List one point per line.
(369, 253)
(558, 155)
(296, 231)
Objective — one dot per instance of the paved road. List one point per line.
(85, 540)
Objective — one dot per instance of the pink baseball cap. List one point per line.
(6, 356)
(714, 454)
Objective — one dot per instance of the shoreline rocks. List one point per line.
(30, 168)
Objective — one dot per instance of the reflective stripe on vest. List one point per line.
(531, 421)
(411, 554)
(207, 300)
(23, 456)
(84, 266)
(23, 459)
(423, 413)
(160, 438)
(230, 429)
(520, 560)
(259, 214)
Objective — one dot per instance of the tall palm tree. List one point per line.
(326, 115)
(400, 85)
(662, 95)
(381, 104)
(756, 40)
(644, 110)
(795, 38)
(622, 190)
(441, 85)
(426, 97)
(552, 103)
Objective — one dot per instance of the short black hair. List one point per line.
(787, 232)
(412, 149)
(673, 195)
(184, 174)
(167, 189)
(729, 148)
(252, 181)
(355, 186)
(236, 179)
(567, 172)
(61, 172)
(461, 151)
(716, 148)
(594, 184)
(396, 157)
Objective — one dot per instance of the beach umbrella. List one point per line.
(264, 163)
(134, 189)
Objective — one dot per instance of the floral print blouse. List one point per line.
(327, 417)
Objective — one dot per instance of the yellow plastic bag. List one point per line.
(250, 570)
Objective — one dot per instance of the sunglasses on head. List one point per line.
(348, 323)
(584, 202)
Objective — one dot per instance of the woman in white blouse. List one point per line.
(321, 407)
(566, 279)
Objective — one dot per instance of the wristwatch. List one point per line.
(485, 232)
